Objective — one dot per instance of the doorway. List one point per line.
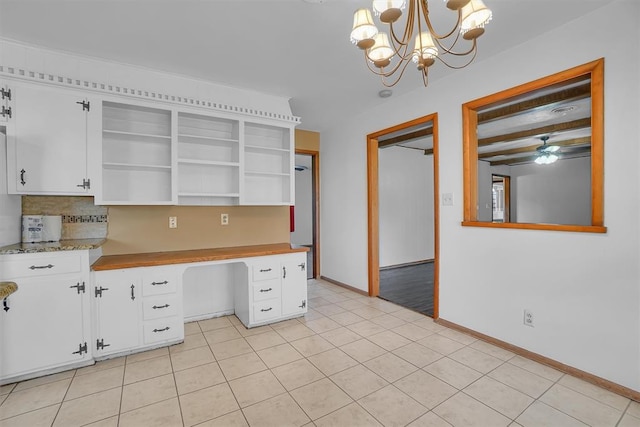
(307, 207)
(413, 134)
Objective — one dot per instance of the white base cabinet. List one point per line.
(271, 289)
(45, 324)
(136, 309)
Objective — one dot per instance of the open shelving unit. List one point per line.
(136, 154)
(267, 165)
(208, 160)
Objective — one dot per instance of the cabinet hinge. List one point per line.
(302, 266)
(6, 93)
(304, 304)
(86, 105)
(86, 184)
(101, 345)
(98, 291)
(6, 111)
(79, 287)
(82, 348)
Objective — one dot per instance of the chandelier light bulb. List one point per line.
(363, 29)
(425, 50)
(475, 15)
(389, 10)
(381, 52)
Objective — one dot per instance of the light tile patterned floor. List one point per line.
(351, 361)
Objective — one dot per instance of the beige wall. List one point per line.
(307, 140)
(136, 229)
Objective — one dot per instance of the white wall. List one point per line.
(406, 206)
(558, 194)
(10, 205)
(303, 234)
(587, 302)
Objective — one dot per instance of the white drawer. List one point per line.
(28, 265)
(159, 306)
(266, 290)
(266, 271)
(168, 328)
(160, 283)
(265, 310)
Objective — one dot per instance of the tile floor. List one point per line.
(351, 361)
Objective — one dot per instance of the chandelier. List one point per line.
(388, 55)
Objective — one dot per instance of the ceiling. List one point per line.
(294, 48)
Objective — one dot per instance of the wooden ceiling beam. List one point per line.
(545, 101)
(405, 137)
(560, 127)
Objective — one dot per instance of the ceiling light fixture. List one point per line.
(546, 153)
(386, 54)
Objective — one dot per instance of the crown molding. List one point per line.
(119, 90)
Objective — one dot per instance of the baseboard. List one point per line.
(586, 376)
(407, 264)
(344, 285)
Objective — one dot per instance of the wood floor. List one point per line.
(409, 286)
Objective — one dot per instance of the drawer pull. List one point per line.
(265, 271)
(266, 290)
(266, 309)
(155, 307)
(166, 328)
(38, 267)
(159, 283)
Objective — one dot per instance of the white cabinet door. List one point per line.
(117, 298)
(48, 141)
(43, 327)
(294, 284)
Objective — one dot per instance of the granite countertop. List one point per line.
(63, 245)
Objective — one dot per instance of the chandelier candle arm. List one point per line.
(386, 53)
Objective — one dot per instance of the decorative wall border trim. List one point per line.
(23, 74)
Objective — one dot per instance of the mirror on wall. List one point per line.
(534, 154)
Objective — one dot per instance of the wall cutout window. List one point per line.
(546, 136)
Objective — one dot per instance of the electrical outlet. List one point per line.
(528, 318)
(447, 199)
(173, 222)
(224, 219)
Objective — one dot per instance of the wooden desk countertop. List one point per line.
(115, 262)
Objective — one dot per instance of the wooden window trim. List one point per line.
(470, 149)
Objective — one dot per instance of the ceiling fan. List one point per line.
(546, 153)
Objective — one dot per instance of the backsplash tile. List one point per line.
(81, 219)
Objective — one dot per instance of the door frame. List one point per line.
(315, 206)
(373, 205)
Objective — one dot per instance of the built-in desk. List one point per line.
(141, 301)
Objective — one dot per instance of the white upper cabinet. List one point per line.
(123, 151)
(47, 140)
